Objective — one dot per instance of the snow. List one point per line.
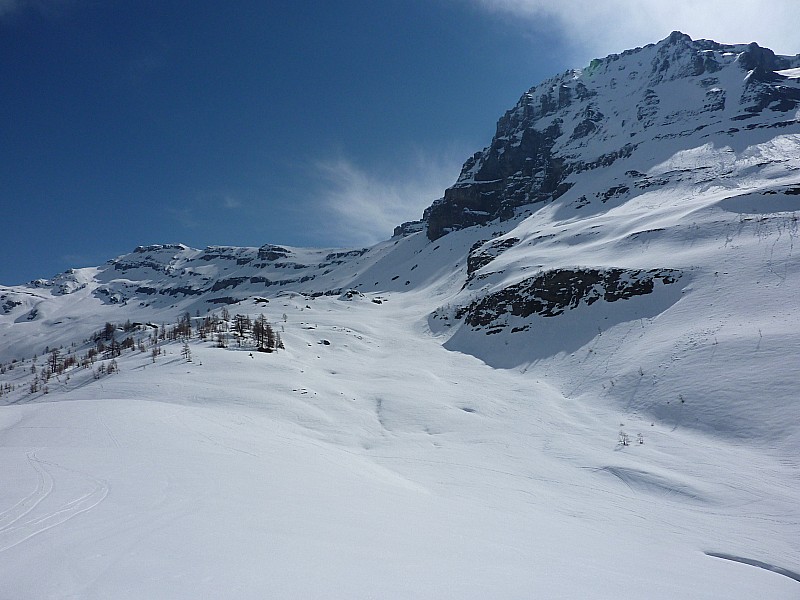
(393, 451)
(381, 465)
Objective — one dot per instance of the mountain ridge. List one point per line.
(657, 193)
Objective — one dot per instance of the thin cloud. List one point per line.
(9, 6)
(194, 213)
(365, 207)
(230, 202)
(185, 217)
(211, 200)
(600, 28)
(47, 8)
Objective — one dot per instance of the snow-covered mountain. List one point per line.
(447, 415)
(587, 131)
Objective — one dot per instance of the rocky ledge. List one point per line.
(551, 293)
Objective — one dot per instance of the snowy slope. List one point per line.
(732, 301)
(379, 465)
(446, 416)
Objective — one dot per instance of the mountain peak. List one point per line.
(613, 111)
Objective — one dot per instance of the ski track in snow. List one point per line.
(757, 563)
(107, 429)
(43, 515)
(44, 487)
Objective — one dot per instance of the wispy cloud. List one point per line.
(8, 6)
(230, 202)
(597, 28)
(44, 7)
(184, 216)
(364, 207)
(193, 215)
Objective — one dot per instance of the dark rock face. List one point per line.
(228, 283)
(242, 256)
(339, 256)
(270, 252)
(8, 304)
(482, 253)
(763, 90)
(159, 248)
(407, 228)
(763, 59)
(515, 170)
(591, 117)
(553, 292)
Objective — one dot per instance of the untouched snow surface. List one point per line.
(378, 465)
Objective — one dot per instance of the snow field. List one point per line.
(379, 465)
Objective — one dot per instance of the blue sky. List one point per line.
(300, 123)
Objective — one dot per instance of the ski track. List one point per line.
(756, 563)
(107, 429)
(211, 439)
(44, 486)
(13, 532)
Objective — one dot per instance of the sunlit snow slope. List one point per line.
(446, 418)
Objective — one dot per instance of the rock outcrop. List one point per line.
(551, 293)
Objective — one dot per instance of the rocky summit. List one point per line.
(594, 124)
